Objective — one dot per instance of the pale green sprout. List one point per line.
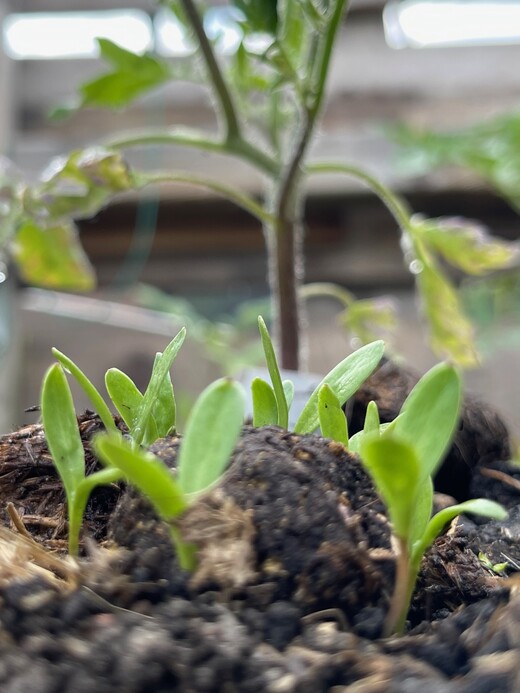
(271, 404)
(64, 441)
(402, 460)
(147, 416)
(333, 422)
(212, 430)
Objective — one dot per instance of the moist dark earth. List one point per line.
(295, 572)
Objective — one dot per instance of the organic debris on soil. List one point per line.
(295, 571)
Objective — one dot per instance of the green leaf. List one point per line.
(88, 388)
(466, 244)
(144, 471)
(160, 372)
(164, 410)
(367, 318)
(274, 372)
(372, 422)
(125, 395)
(333, 422)
(451, 333)
(476, 506)
(288, 389)
(265, 409)
(212, 429)
(61, 429)
(429, 416)
(344, 379)
(132, 75)
(422, 512)
(52, 257)
(80, 184)
(260, 15)
(394, 467)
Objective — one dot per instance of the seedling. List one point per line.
(212, 430)
(271, 403)
(402, 459)
(64, 441)
(147, 416)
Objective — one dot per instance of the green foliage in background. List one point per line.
(268, 95)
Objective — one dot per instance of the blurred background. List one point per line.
(178, 256)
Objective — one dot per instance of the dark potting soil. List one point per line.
(295, 572)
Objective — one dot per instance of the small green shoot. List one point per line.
(64, 441)
(274, 372)
(212, 430)
(496, 568)
(333, 422)
(149, 416)
(344, 380)
(402, 461)
(88, 388)
(265, 409)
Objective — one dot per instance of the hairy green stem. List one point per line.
(286, 269)
(396, 206)
(240, 199)
(220, 87)
(185, 137)
(318, 289)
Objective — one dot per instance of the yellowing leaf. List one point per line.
(52, 257)
(466, 244)
(451, 332)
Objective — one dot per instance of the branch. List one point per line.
(241, 200)
(397, 207)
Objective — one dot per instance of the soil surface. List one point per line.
(295, 571)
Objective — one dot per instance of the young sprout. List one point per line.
(344, 380)
(402, 459)
(333, 422)
(271, 404)
(212, 430)
(149, 416)
(64, 442)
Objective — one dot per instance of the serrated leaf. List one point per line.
(52, 257)
(429, 416)
(333, 422)
(132, 75)
(344, 379)
(466, 244)
(265, 409)
(367, 318)
(394, 467)
(212, 429)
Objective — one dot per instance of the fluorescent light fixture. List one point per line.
(422, 23)
(59, 35)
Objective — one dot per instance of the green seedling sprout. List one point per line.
(402, 460)
(333, 422)
(149, 416)
(271, 404)
(344, 380)
(64, 441)
(212, 430)
(274, 372)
